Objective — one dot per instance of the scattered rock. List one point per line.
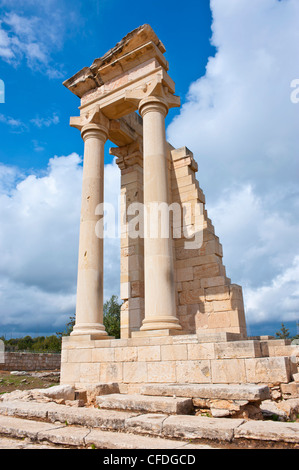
(290, 407)
(93, 390)
(75, 403)
(270, 410)
(66, 392)
(284, 410)
(296, 377)
(18, 372)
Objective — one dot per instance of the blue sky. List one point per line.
(79, 31)
(233, 63)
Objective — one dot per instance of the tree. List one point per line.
(111, 319)
(283, 333)
(68, 328)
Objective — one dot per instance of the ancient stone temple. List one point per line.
(182, 320)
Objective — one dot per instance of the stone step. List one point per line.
(147, 404)
(79, 436)
(249, 392)
(65, 425)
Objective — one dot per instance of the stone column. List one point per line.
(159, 282)
(89, 308)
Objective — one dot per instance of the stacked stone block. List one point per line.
(172, 359)
(31, 361)
(207, 301)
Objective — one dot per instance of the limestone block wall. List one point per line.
(173, 359)
(207, 301)
(31, 361)
(132, 249)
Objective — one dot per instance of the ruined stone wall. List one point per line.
(31, 361)
(207, 301)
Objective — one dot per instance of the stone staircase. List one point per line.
(161, 417)
(190, 399)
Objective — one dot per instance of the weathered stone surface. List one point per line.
(78, 437)
(216, 336)
(248, 392)
(268, 431)
(270, 409)
(146, 403)
(228, 371)
(25, 409)
(291, 389)
(237, 349)
(71, 427)
(110, 440)
(290, 407)
(26, 361)
(268, 370)
(26, 443)
(150, 423)
(91, 417)
(18, 427)
(74, 436)
(66, 392)
(219, 413)
(94, 390)
(197, 427)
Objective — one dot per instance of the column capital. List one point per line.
(153, 103)
(94, 130)
(92, 123)
(154, 93)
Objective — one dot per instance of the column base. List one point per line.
(160, 323)
(157, 333)
(89, 329)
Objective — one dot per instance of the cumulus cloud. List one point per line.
(282, 293)
(39, 235)
(241, 124)
(33, 31)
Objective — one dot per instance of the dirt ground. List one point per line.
(30, 380)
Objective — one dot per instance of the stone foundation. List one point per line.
(178, 359)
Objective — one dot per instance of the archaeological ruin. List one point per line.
(182, 319)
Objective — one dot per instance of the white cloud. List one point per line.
(39, 234)
(45, 121)
(242, 126)
(33, 37)
(16, 125)
(282, 293)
